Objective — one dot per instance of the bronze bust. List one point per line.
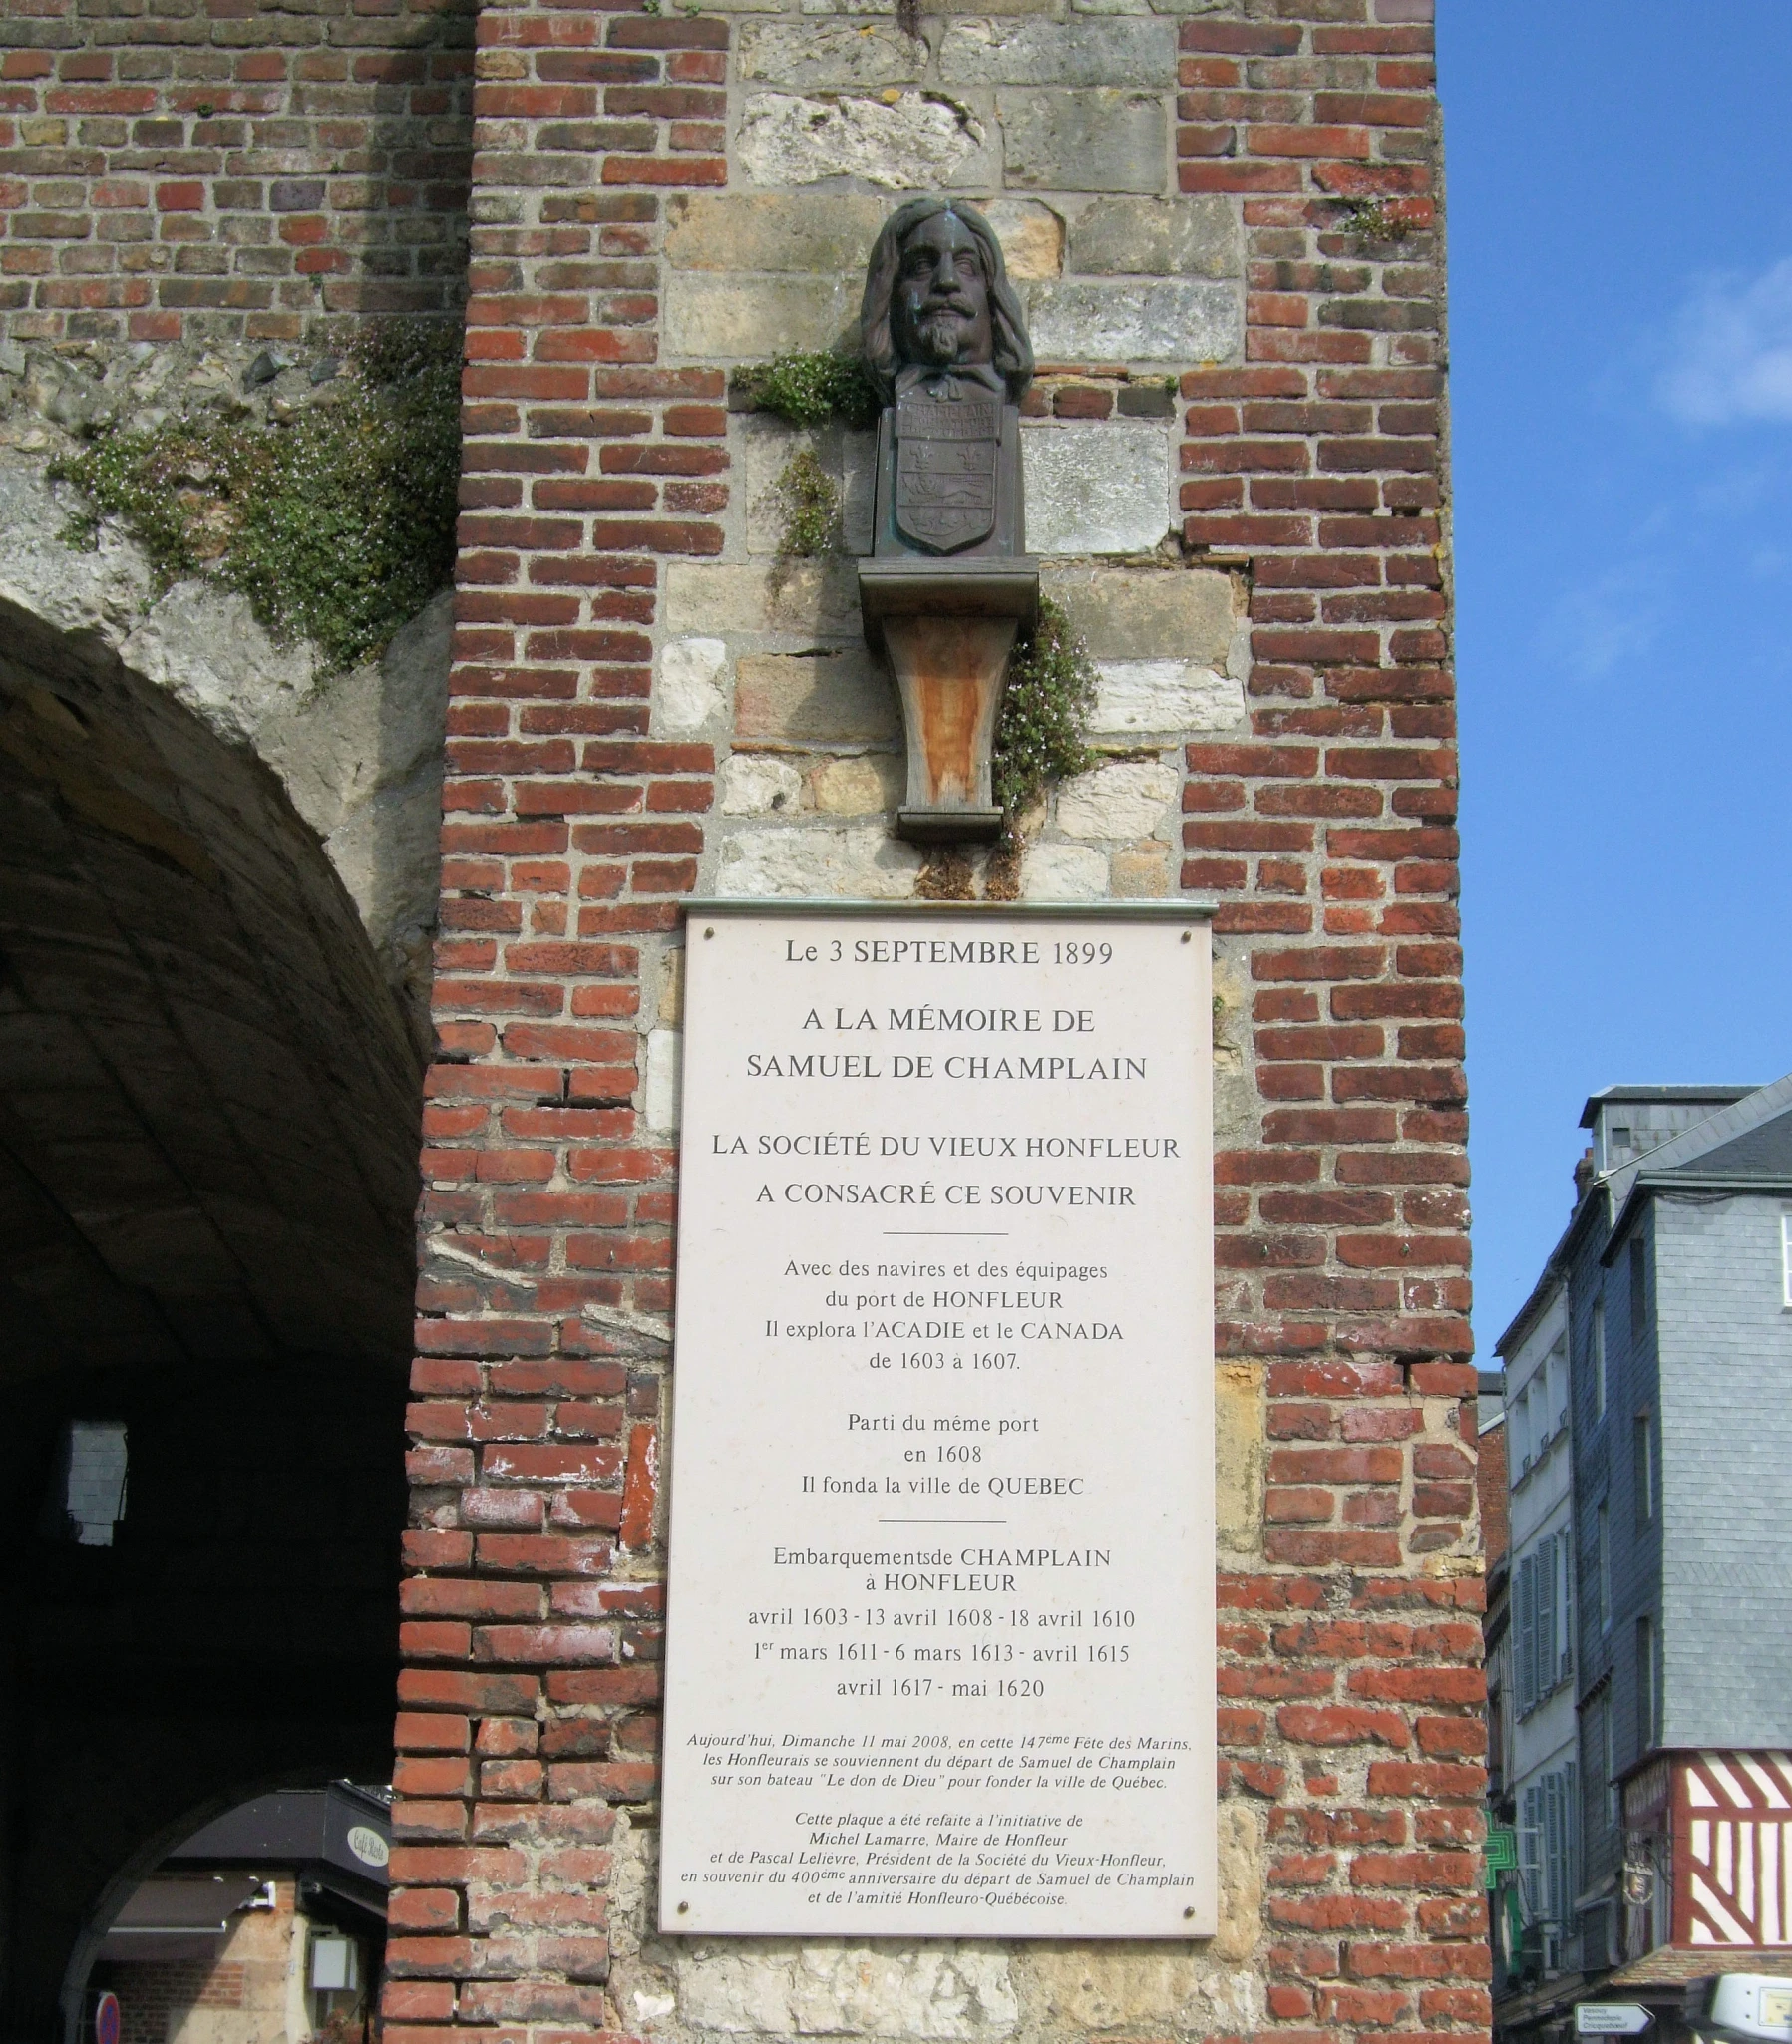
(947, 584)
(947, 348)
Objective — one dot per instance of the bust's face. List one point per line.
(940, 315)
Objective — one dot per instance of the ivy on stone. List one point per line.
(338, 525)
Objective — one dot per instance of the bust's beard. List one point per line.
(942, 336)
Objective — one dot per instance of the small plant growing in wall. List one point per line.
(338, 526)
(1374, 219)
(811, 503)
(1041, 735)
(811, 390)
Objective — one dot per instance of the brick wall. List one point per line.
(155, 1996)
(531, 1634)
(214, 169)
(1313, 472)
(1329, 839)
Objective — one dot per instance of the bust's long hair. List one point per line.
(1012, 353)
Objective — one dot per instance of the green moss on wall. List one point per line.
(810, 504)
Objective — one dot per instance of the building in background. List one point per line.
(267, 1926)
(1650, 1632)
(1504, 1922)
(1539, 1717)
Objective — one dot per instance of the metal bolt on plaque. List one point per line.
(948, 584)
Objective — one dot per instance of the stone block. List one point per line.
(1092, 1988)
(827, 233)
(1143, 614)
(1240, 1859)
(795, 54)
(856, 859)
(789, 701)
(689, 688)
(953, 1995)
(1136, 697)
(910, 142)
(850, 460)
(1124, 798)
(1062, 872)
(1169, 7)
(1083, 140)
(660, 1093)
(801, 599)
(729, 317)
(1238, 1451)
(758, 785)
(862, 784)
(1139, 873)
(1078, 53)
(1031, 235)
(1156, 237)
(671, 988)
(1175, 320)
(1096, 489)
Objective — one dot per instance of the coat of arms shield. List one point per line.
(946, 441)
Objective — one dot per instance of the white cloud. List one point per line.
(1609, 621)
(1732, 351)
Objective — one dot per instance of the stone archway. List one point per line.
(210, 1085)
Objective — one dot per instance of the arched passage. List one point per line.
(208, 1119)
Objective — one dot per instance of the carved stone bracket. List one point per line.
(948, 629)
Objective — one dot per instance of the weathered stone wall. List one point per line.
(1225, 226)
(357, 756)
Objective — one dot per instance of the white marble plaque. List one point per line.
(941, 1617)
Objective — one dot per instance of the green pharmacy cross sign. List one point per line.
(1501, 1855)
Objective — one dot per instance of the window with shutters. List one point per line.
(1558, 1858)
(1549, 1833)
(1556, 1380)
(1546, 1617)
(1539, 1623)
(1530, 1852)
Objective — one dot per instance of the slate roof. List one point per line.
(1691, 1096)
(1687, 1158)
(1763, 1152)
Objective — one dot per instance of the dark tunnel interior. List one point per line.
(208, 1132)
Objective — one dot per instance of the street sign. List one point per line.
(106, 2020)
(1610, 2019)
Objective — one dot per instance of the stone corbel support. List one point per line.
(948, 629)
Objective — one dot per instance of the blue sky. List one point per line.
(1621, 314)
